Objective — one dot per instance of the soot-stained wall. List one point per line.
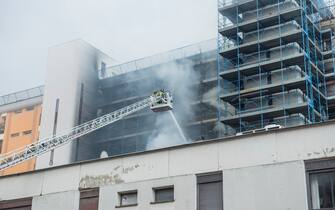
(193, 84)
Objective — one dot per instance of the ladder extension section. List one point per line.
(33, 150)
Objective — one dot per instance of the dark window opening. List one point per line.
(15, 135)
(103, 70)
(17, 204)
(321, 184)
(270, 101)
(2, 124)
(210, 191)
(269, 78)
(268, 54)
(27, 132)
(128, 198)
(89, 199)
(323, 190)
(163, 194)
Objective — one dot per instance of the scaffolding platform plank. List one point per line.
(264, 44)
(267, 113)
(264, 22)
(268, 65)
(267, 89)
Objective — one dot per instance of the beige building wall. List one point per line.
(21, 127)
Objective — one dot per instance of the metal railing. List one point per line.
(180, 53)
(21, 95)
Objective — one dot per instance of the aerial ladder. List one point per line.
(159, 101)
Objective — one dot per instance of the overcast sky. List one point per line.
(124, 29)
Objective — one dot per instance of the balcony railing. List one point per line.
(180, 53)
(21, 95)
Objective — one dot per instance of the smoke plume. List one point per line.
(179, 79)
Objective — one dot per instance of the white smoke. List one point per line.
(210, 98)
(166, 133)
(180, 80)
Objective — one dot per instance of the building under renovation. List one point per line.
(272, 67)
(278, 59)
(188, 73)
(252, 124)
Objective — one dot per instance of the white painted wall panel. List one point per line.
(61, 180)
(185, 188)
(23, 186)
(68, 66)
(201, 159)
(246, 152)
(276, 187)
(253, 167)
(57, 201)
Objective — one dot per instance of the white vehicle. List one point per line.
(266, 128)
(272, 127)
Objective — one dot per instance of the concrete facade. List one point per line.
(275, 186)
(57, 201)
(21, 129)
(20, 114)
(184, 192)
(260, 172)
(71, 67)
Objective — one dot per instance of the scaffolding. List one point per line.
(271, 65)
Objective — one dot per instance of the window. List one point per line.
(321, 184)
(15, 135)
(27, 132)
(268, 54)
(210, 191)
(323, 190)
(164, 194)
(128, 198)
(89, 199)
(30, 108)
(18, 204)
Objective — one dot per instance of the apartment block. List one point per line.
(20, 115)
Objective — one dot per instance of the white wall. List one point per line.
(275, 187)
(68, 66)
(57, 201)
(267, 164)
(184, 191)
